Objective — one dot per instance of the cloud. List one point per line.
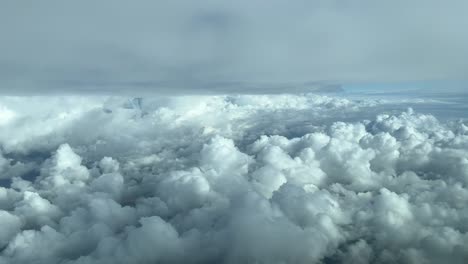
(230, 179)
(220, 47)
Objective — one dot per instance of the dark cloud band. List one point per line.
(209, 46)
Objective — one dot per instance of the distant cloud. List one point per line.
(209, 46)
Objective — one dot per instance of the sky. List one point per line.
(203, 47)
(233, 132)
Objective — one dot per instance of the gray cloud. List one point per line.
(219, 46)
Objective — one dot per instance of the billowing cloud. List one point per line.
(230, 179)
(219, 46)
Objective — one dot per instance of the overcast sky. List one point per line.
(227, 46)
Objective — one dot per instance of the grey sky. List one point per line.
(227, 46)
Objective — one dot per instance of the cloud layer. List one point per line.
(229, 179)
(218, 46)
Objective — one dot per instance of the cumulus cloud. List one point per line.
(219, 46)
(230, 179)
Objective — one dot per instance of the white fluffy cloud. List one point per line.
(229, 179)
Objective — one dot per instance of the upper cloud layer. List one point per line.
(219, 46)
(230, 179)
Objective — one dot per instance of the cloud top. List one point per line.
(214, 180)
